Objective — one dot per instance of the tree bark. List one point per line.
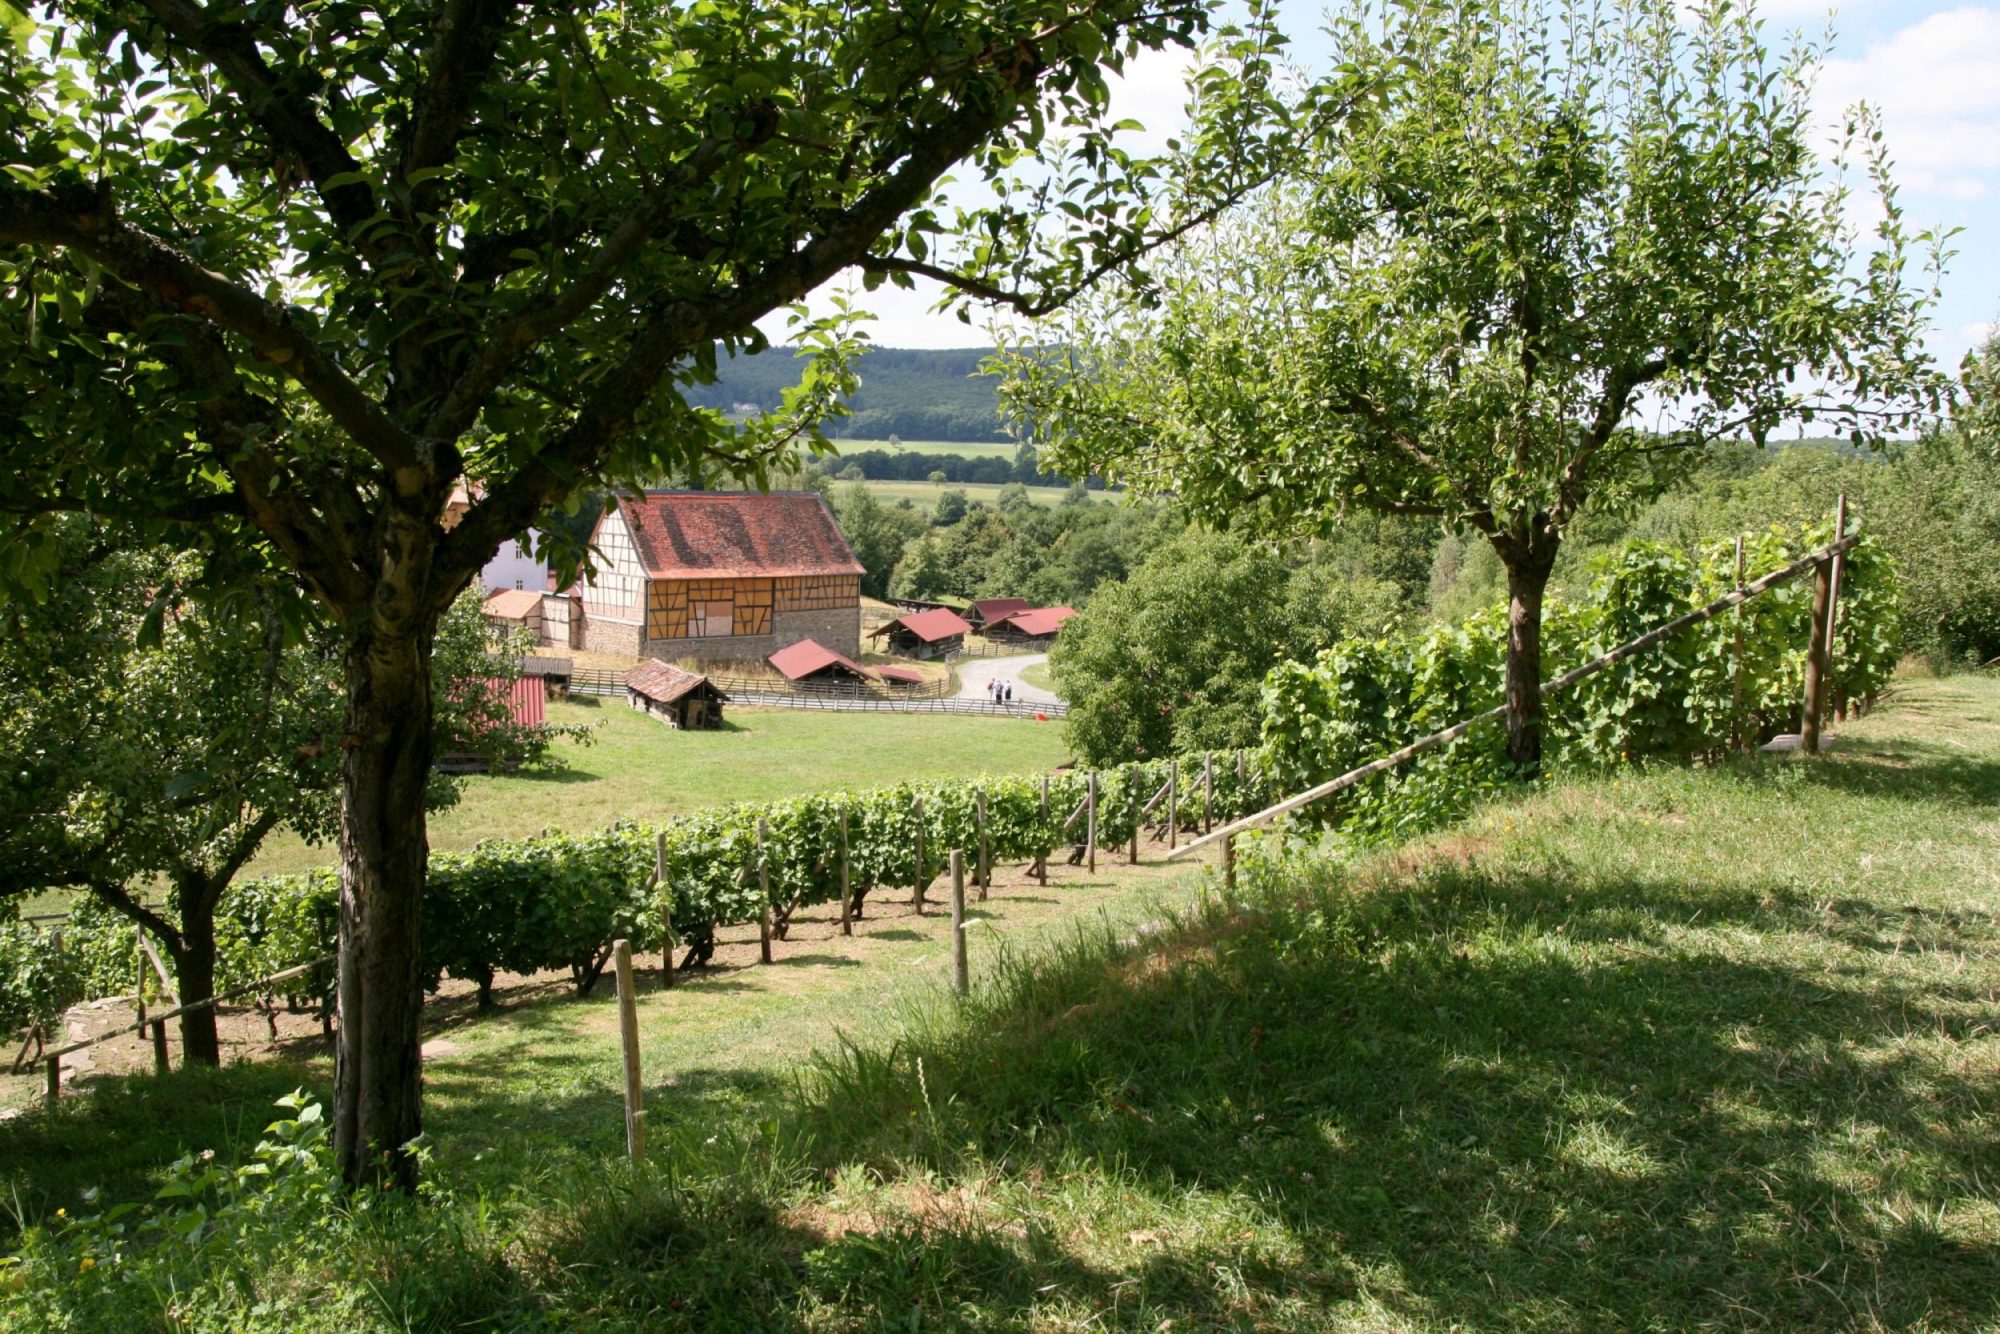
(1528, 565)
(383, 851)
(194, 974)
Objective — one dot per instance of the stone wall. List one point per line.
(604, 636)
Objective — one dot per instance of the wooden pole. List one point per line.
(764, 893)
(985, 845)
(1207, 791)
(160, 1065)
(1173, 801)
(1090, 822)
(669, 940)
(1138, 816)
(846, 895)
(1229, 863)
(628, 1036)
(961, 973)
(1833, 592)
(917, 879)
(1816, 652)
(53, 1062)
(1042, 862)
(1738, 724)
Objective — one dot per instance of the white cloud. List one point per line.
(1934, 84)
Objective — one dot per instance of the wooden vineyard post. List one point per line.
(1042, 862)
(917, 878)
(1816, 650)
(628, 1037)
(54, 1080)
(1739, 724)
(985, 845)
(764, 893)
(1090, 823)
(1138, 819)
(669, 942)
(1239, 780)
(961, 973)
(160, 1064)
(1833, 599)
(1208, 792)
(1173, 801)
(1229, 864)
(846, 896)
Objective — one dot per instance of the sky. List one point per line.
(1931, 69)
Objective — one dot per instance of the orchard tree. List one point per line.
(1577, 246)
(151, 738)
(281, 275)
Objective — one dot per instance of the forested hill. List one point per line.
(914, 393)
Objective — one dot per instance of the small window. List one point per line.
(517, 583)
(714, 619)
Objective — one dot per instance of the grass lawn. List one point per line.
(1660, 1049)
(1039, 675)
(970, 449)
(640, 769)
(924, 495)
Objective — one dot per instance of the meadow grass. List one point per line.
(970, 449)
(924, 495)
(1658, 1049)
(639, 769)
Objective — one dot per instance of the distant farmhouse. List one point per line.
(719, 575)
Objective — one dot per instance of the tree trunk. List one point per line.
(383, 849)
(194, 974)
(1528, 567)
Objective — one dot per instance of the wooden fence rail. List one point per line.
(1637, 646)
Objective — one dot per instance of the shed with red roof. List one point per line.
(721, 575)
(1034, 624)
(810, 660)
(925, 634)
(984, 611)
(680, 699)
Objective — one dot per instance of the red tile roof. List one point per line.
(989, 610)
(513, 603)
(736, 535)
(1034, 623)
(929, 626)
(663, 683)
(907, 676)
(800, 660)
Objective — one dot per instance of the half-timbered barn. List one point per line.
(721, 575)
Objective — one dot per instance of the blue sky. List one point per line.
(1931, 69)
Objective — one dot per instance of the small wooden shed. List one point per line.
(925, 634)
(515, 609)
(810, 660)
(679, 699)
(1036, 626)
(984, 611)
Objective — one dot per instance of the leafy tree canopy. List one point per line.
(1577, 245)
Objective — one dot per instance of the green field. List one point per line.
(643, 770)
(924, 495)
(971, 449)
(1654, 1049)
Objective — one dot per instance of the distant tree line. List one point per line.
(899, 465)
(917, 393)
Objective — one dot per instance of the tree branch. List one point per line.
(85, 219)
(119, 899)
(468, 35)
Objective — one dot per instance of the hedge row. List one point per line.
(556, 902)
(1733, 680)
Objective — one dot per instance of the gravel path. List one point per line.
(974, 673)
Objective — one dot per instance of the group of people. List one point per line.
(1000, 692)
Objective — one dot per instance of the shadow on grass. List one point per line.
(1504, 1100)
(1905, 770)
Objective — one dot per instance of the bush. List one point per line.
(1685, 699)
